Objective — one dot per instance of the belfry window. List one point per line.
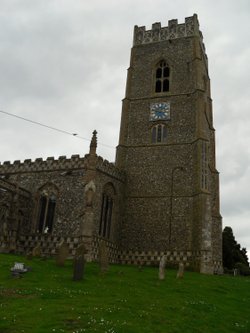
(162, 75)
(159, 133)
(106, 211)
(46, 211)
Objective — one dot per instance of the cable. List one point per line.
(52, 128)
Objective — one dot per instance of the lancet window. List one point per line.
(46, 209)
(108, 197)
(159, 133)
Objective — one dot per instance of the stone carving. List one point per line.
(103, 257)
(89, 190)
(162, 266)
(180, 272)
(62, 254)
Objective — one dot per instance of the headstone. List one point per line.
(62, 253)
(29, 256)
(162, 266)
(78, 267)
(103, 257)
(36, 252)
(180, 272)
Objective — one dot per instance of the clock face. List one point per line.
(159, 111)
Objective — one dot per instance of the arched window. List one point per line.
(107, 210)
(46, 209)
(159, 133)
(162, 75)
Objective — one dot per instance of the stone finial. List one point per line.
(93, 143)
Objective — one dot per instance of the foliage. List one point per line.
(233, 255)
(124, 300)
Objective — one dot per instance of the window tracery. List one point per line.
(46, 208)
(108, 197)
(159, 133)
(162, 77)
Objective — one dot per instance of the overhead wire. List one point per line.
(52, 128)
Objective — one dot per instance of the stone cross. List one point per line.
(62, 254)
(103, 256)
(180, 272)
(162, 266)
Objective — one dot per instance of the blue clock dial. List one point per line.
(159, 111)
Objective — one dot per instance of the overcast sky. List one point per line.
(63, 63)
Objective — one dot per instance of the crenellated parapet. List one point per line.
(172, 31)
(50, 164)
(62, 163)
(109, 169)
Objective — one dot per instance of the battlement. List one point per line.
(172, 31)
(62, 163)
(110, 169)
(50, 164)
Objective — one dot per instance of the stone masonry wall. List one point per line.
(164, 206)
(68, 179)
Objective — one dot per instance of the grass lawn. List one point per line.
(125, 300)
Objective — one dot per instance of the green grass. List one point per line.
(125, 300)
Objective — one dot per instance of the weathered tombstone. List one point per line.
(79, 263)
(103, 257)
(29, 255)
(180, 272)
(162, 266)
(62, 253)
(36, 252)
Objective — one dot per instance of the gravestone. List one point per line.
(79, 263)
(29, 255)
(36, 252)
(162, 266)
(180, 272)
(62, 253)
(103, 257)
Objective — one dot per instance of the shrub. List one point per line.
(242, 268)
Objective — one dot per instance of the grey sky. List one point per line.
(63, 63)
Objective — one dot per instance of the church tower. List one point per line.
(167, 151)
